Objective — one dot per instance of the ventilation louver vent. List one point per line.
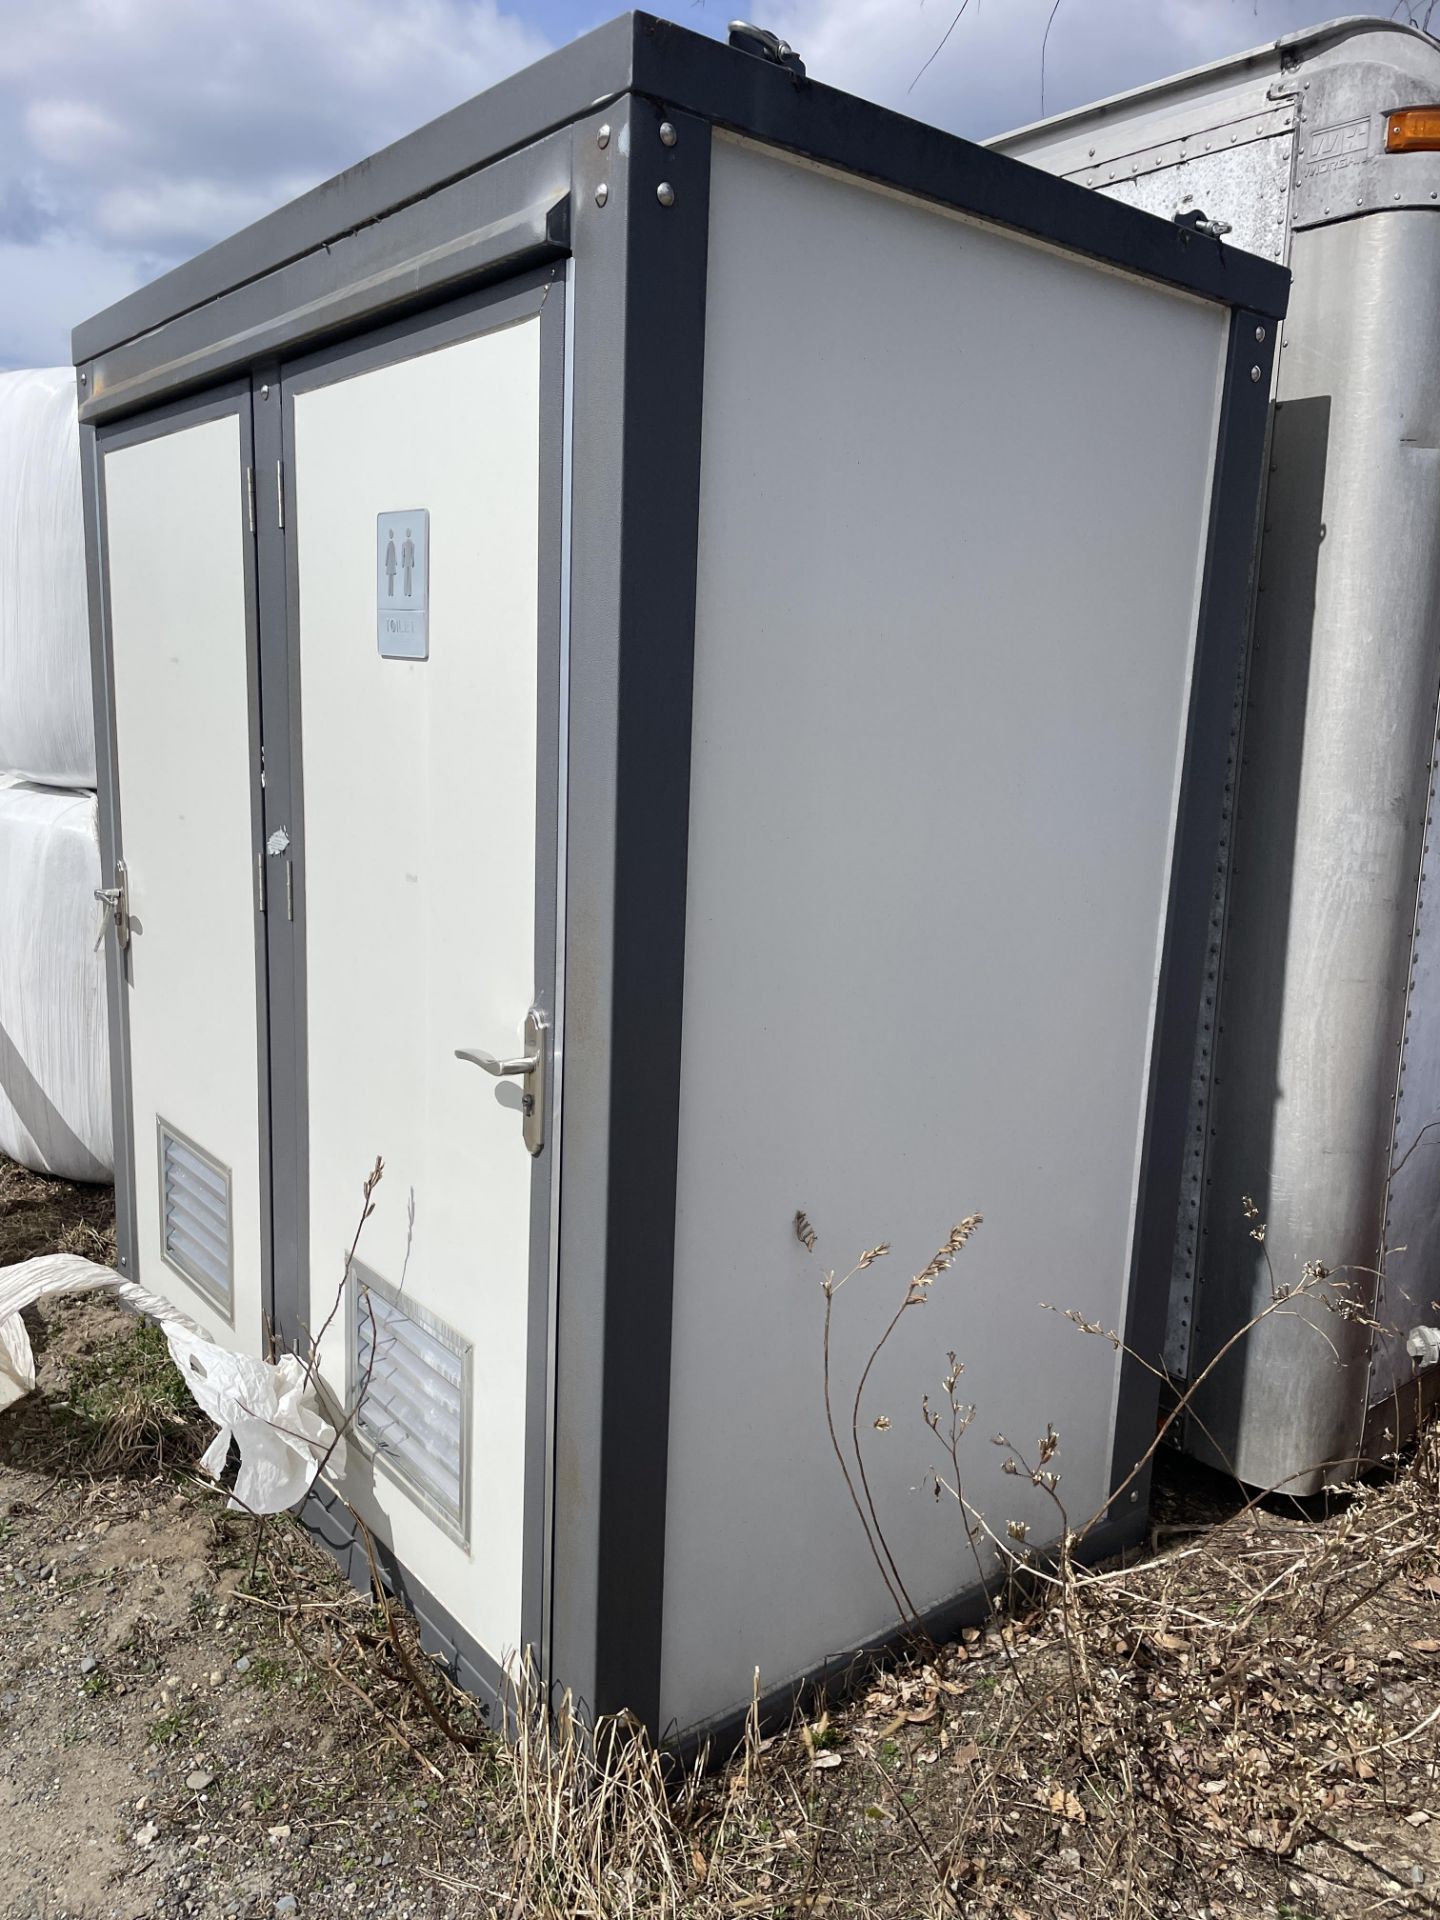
(195, 1233)
(410, 1375)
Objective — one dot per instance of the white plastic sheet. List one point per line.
(47, 730)
(54, 1044)
(268, 1409)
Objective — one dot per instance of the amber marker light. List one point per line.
(1413, 130)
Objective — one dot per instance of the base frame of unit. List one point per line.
(842, 1673)
(331, 1523)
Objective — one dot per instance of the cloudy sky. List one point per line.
(135, 132)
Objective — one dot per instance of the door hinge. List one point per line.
(277, 847)
(250, 494)
(280, 493)
(116, 901)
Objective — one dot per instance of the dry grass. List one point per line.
(1243, 1719)
(1255, 1733)
(39, 1215)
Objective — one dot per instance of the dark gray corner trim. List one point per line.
(640, 274)
(1222, 637)
(664, 355)
(689, 71)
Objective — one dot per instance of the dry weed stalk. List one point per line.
(1123, 1762)
(861, 1498)
(602, 1830)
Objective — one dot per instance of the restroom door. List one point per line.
(421, 484)
(174, 506)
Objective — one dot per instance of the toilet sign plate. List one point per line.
(402, 583)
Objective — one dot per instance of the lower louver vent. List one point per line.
(195, 1218)
(410, 1379)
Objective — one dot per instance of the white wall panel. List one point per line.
(954, 504)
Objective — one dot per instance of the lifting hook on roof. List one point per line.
(1195, 219)
(766, 46)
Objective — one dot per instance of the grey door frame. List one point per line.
(540, 292)
(231, 398)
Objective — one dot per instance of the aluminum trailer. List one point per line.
(1316, 1086)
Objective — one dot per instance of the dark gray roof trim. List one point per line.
(693, 73)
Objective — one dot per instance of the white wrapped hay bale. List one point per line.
(47, 729)
(54, 1042)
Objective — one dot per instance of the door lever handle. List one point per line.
(529, 1067)
(502, 1069)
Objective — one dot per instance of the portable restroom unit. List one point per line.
(1317, 1064)
(717, 606)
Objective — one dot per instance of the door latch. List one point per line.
(531, 1068)
(116, 900)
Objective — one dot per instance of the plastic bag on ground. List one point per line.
(54, 1028)
(267, 1408)
(47, 727)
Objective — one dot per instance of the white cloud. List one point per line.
(48, 283)
(75, 133)
(133, 133)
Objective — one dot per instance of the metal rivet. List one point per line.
(665, 194)
(602, 194)
(668, 135)
(602, 138)
(1260, 333)
(264, 393)
(1254, 373)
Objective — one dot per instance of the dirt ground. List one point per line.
(198, 1718)
(165, 1749)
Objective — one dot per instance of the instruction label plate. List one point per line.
(402, 583)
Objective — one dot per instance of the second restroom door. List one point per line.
(175, 516)
(421, 493)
